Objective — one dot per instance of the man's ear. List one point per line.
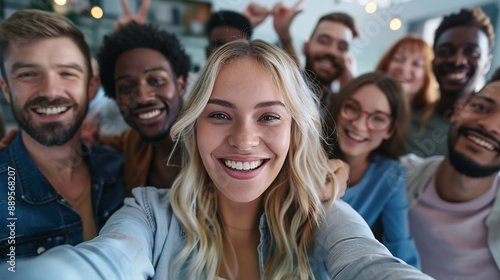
(5, 89)
(94, 84)
(181, 86)
(488, 64)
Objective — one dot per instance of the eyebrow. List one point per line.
(485, 98)
(222, 103)
(149, 70)
(359, 104)
(449, 44)
(154, 69)
(258, 106)
(18, 65)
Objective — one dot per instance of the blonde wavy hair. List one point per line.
(292, 203)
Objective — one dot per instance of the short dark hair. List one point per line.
(33, 25)
(343, 18)
(134, 35)
(467, 17)
(230, 19)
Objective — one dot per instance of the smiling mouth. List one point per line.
(456, 76)
(485, 144)
(149, 115)
(354, 137)
(402, 80)
(50, 111)
(243, 166)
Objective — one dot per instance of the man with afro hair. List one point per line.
(462, 48)
(144, 69)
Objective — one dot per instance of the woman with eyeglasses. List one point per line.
(368, 123)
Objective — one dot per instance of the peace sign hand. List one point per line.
(128, 16)
(283, 17)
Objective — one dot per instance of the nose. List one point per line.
(408, 67)
(244, 136)
(491, 123)
(458, 59)
(51, 88)
(144, 94)
(361, 122)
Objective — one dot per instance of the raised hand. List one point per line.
(256, 13)
(8, 138)
(90, 131)
(283, 17)
(128, 16)
(341, 170)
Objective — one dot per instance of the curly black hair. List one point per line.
(467, 17)
(230, 19)
(134, 35)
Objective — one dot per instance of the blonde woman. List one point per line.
(247, 204)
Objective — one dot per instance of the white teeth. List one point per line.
(245, 166)
(456, 76)
(149, 115)
(51, 110)
(326, 62)
(355, 137)
(481, 142)
(402, 80)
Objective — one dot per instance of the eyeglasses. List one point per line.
(377, 121)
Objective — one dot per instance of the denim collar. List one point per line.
(35, 188)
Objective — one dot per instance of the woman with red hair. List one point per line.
(409, 60)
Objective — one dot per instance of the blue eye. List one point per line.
(219, 116)
(26, 75)
(270, 118)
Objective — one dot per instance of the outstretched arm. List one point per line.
(283, 17)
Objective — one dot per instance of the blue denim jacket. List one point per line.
(143, 238)
(42, 219)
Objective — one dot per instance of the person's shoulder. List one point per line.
(343, 219)
(152, 197)
(386, 166)
(106, 153)
(387, 162)
(411, 161)
(4, 154)
(13, 148)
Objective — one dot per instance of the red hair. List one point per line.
(429, 92)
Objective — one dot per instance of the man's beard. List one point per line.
(322, 80)
(51, 133)
(466, 166)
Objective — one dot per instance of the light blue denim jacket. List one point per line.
(141, 240)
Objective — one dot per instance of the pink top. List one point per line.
(452, 237)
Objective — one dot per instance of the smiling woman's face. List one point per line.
(356, 139)
(408, 67)
(243, 134)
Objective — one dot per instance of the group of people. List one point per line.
(239, 155)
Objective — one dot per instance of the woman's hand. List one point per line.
(341, 170)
